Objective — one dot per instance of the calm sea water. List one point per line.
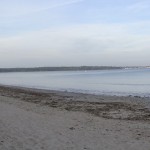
(109, 82)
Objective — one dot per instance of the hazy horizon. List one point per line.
(35, 33)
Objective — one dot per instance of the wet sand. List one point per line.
(39, 119)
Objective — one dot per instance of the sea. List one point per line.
(121, 82)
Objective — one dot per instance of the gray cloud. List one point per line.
(77, 45)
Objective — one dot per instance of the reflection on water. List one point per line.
(114, 82)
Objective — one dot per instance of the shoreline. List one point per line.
(110, 107)
(78, 92)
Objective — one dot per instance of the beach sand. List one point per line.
(51, 120)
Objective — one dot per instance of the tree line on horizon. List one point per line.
(80, 68)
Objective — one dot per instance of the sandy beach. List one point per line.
(51, 120)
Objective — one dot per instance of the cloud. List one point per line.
(59, 32)
(80, 37)
(87, 44)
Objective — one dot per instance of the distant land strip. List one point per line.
(80, 68)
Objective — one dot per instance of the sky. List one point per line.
(35, 33)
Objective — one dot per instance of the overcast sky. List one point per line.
(74, 33)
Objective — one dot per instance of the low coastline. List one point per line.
(122, 121)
